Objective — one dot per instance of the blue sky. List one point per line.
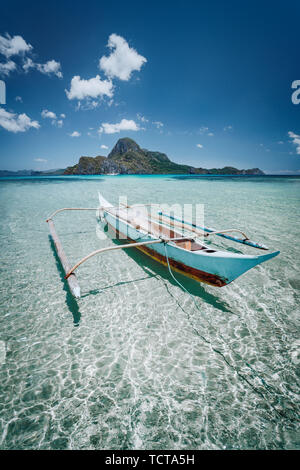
(208, 83)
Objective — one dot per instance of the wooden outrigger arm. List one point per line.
(229, 230)
(74, 209)
(119, 247)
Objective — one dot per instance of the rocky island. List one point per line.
(127, 157)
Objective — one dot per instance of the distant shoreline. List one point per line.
(175, 175)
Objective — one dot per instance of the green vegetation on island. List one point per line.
(127, 157)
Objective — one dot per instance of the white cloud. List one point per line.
(75, 134)
(48, 114)
(228, 128)
(104, 147)
(13, 45)
(123, 59)
(280, 142)
(51, 115)
(7, 67)
(94, 104)
(28, 64)
(19, 98)
(16, 122)
(295, 140)
(50, 67)
(92, 88)
(158, 124)
(142, 118)
(202, 130)
(40, 160)
(200, 146)
(124, 125)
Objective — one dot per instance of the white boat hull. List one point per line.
(214, 267)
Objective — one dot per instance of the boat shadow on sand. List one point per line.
(152, 269)
(71, 302)
(159, 271)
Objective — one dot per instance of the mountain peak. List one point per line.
(127, 157)
(123, 146)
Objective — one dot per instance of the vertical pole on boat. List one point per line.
(72, 280)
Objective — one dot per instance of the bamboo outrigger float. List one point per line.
(157, 237)
(72, 280)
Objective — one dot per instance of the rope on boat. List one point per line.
(176, 280)
(264, 384)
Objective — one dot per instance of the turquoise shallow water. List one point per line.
(133, 364)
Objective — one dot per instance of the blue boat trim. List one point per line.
(209, 230)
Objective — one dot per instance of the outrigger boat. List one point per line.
(159, 237)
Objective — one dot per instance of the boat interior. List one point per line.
(160, 230)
